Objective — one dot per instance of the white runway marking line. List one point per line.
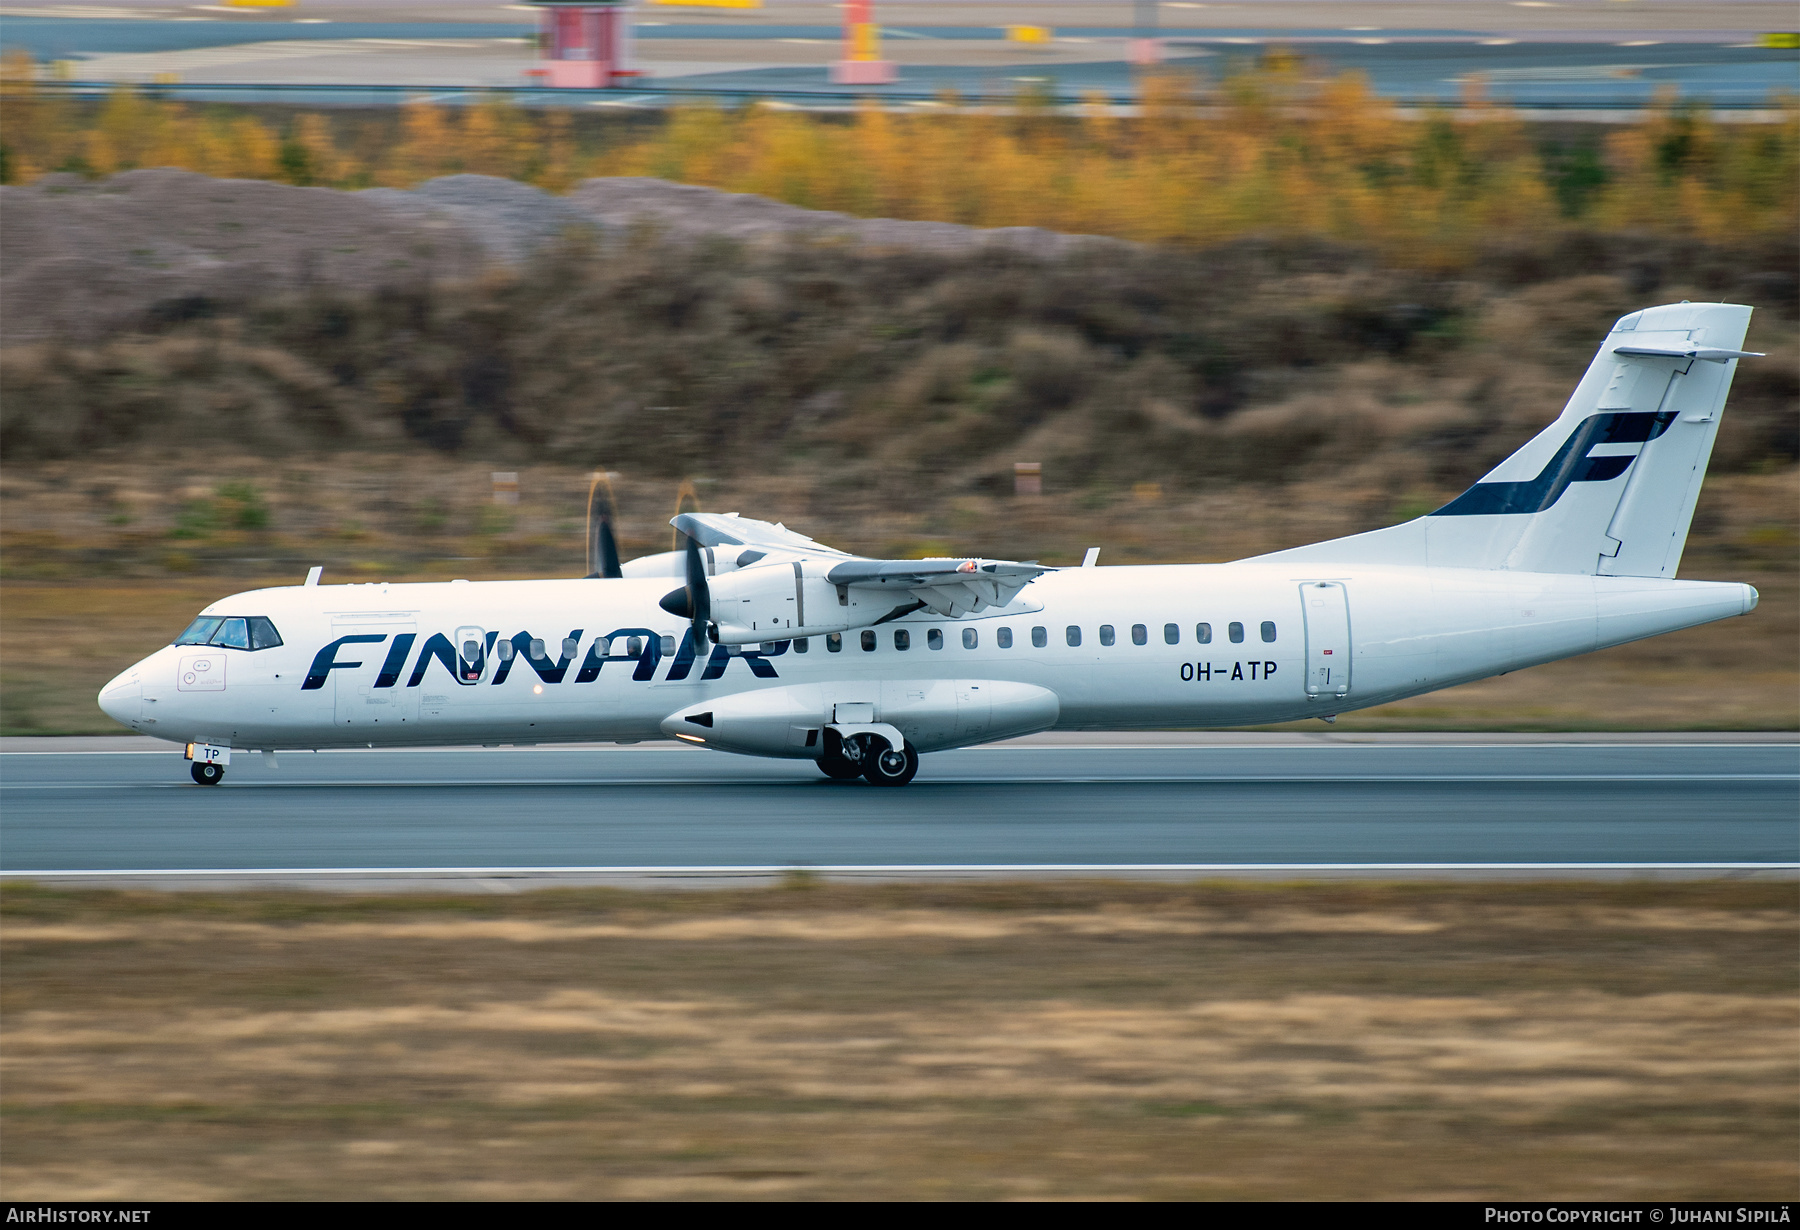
(1121, 780)
(886, 868)
(1234, 748)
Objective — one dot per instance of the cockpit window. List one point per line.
(230, 632)
(200, 631)
(263, 634)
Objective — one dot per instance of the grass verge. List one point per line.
(1596, 1041)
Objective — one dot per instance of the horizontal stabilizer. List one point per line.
(1706, 353)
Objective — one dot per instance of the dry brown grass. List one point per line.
(988, 1041)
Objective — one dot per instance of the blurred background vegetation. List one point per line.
(1269, 149)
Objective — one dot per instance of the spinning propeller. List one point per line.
(602, 546)
(693, 601)
(603, 561)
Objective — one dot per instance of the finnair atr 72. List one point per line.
(773, 645)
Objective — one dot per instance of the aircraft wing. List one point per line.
(731, 530)
(950, 587)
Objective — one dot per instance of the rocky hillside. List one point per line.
(667, 330)
(84, 259)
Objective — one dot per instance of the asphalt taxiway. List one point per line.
(381, 56)
(1054, 804)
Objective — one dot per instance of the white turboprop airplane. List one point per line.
(777, 646)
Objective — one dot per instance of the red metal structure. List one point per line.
(862, 63)
(585, 45)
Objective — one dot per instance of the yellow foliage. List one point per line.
(1266, 151)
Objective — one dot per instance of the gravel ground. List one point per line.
(506, 219)
(84, 259)
(688, 210)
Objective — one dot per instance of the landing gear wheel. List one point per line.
(207, 774)
(834, 764)
(890, 768)
(838, 768)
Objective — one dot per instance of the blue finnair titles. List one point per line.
(468, 666)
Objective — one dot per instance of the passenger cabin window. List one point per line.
(570, 647)
(505, 650)
(1172, 634)
(834, 642)
(536, 651)
(801, 645)
(1140, 635)
(1106, 634)
(1040, 636)
(902, 639)
(1203, 633)
(1003, 637)
(668, 645)
(934, 639)
(1268, 632)
(1236, 633)
(868, 642)
(231, 632)
(1072, 634)
(971, 638)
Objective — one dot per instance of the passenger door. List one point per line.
(1326, 606)
(375, 695)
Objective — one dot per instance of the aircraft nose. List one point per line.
(122, 699)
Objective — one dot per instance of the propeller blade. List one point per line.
(699, 595)
(602, 547)
(686, 500)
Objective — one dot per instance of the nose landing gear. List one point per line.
(207, 774)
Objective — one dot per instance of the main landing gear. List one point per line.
(207, 774)
(867, 757)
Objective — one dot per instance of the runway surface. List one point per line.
(1042, 805)
(1561, 68)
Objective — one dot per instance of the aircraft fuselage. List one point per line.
(1082, 648)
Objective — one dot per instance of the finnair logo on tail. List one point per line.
(1571, 464)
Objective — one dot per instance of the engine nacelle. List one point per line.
(932, 714)
(719, 561)
(777, 602)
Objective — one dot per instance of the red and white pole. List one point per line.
(862, 63)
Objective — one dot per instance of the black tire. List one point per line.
(207, 774)
(839, 769)
(890, 768)
(834, 764)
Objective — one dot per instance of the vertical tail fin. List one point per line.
(1610, 486)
